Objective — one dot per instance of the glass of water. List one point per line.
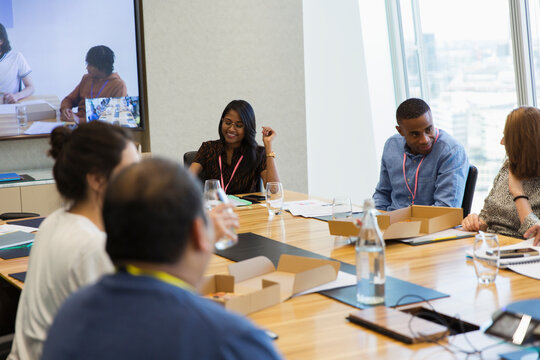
(22, 115)
(211, 198)
(274, 198)
(341, 208)
(486, 257)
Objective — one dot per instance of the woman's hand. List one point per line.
(473, 223)
(533, 232)
(514, 185)
(268, 136)
(67, 114)
(224, 221)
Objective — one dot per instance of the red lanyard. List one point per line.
(417, 170)
(232, 175)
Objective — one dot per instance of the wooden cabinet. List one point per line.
(41, 199)
(10, 199)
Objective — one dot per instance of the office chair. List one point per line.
(468, 195)
(17, 215)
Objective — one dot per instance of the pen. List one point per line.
(455, 237)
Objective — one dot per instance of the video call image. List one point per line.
(123, 111)
(49, 42)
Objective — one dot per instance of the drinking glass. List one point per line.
(274, 198)
(341, 208)
(22, 116)
(486, 257)
(211, 198)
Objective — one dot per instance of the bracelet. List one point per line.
(521, 197)
(271, 154)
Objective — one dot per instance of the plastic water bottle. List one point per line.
(370, 259)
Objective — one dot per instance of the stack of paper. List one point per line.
(312, 208)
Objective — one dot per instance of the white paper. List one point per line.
(7, 109)
(343, 279)
(312, 208)
(42, 127)
(8, 228)
(517, 263)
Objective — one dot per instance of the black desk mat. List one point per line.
(19, 276)
(19, 251)
(251, 245)
(28, 222)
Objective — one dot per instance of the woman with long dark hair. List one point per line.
(14, 72)
(236, 159)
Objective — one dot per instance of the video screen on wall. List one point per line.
(49, 42)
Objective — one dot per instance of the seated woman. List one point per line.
(69, 249)
(99, 82)
(13, 70)
(236, 159)
(511, 206)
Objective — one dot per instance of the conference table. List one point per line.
(314, 326)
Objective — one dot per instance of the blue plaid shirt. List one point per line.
(441, 179)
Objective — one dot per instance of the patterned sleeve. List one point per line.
(487, 212)
(529, 222)
(203, 154)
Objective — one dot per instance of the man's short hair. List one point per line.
(411, 109)
(102, 58)
(149, 210)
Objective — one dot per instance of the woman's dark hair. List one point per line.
(94, 147)
(102, 58)
(247, 115)
(4, 37)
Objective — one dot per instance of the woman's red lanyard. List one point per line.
(232, 175)
(100, 90)
(417, 170)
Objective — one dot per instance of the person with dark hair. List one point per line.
(14, 72)
(69, 248)
(513, 204)
(421, 165)
(99, 82)
(160, 242)
(236, 159)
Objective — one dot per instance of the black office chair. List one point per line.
(470, 185)
(17, 215)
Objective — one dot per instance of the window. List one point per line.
(457, 56)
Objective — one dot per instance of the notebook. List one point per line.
(528, 266)
(15, 238)
(9, 177)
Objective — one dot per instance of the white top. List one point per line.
(68, 253)
(13, 67)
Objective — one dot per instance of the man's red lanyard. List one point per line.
(232, 175)
(417, 170)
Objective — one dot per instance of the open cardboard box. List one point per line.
(412, 221)
(257, 284)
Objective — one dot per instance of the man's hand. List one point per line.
(225, 221)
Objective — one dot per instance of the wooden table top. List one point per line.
(314, 326)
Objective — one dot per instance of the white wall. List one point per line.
(349, 96)
(202, 54)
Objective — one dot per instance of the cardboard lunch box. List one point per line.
(256, 284)
(412, 221)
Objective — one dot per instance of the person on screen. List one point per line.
(421, 165)
(160, 242)
(513, 204)
(14, 72)
(236, 159)
(99, 82)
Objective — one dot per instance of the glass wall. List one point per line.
(461, 63)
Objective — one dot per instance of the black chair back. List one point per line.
(470, 185)
(17, 215)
